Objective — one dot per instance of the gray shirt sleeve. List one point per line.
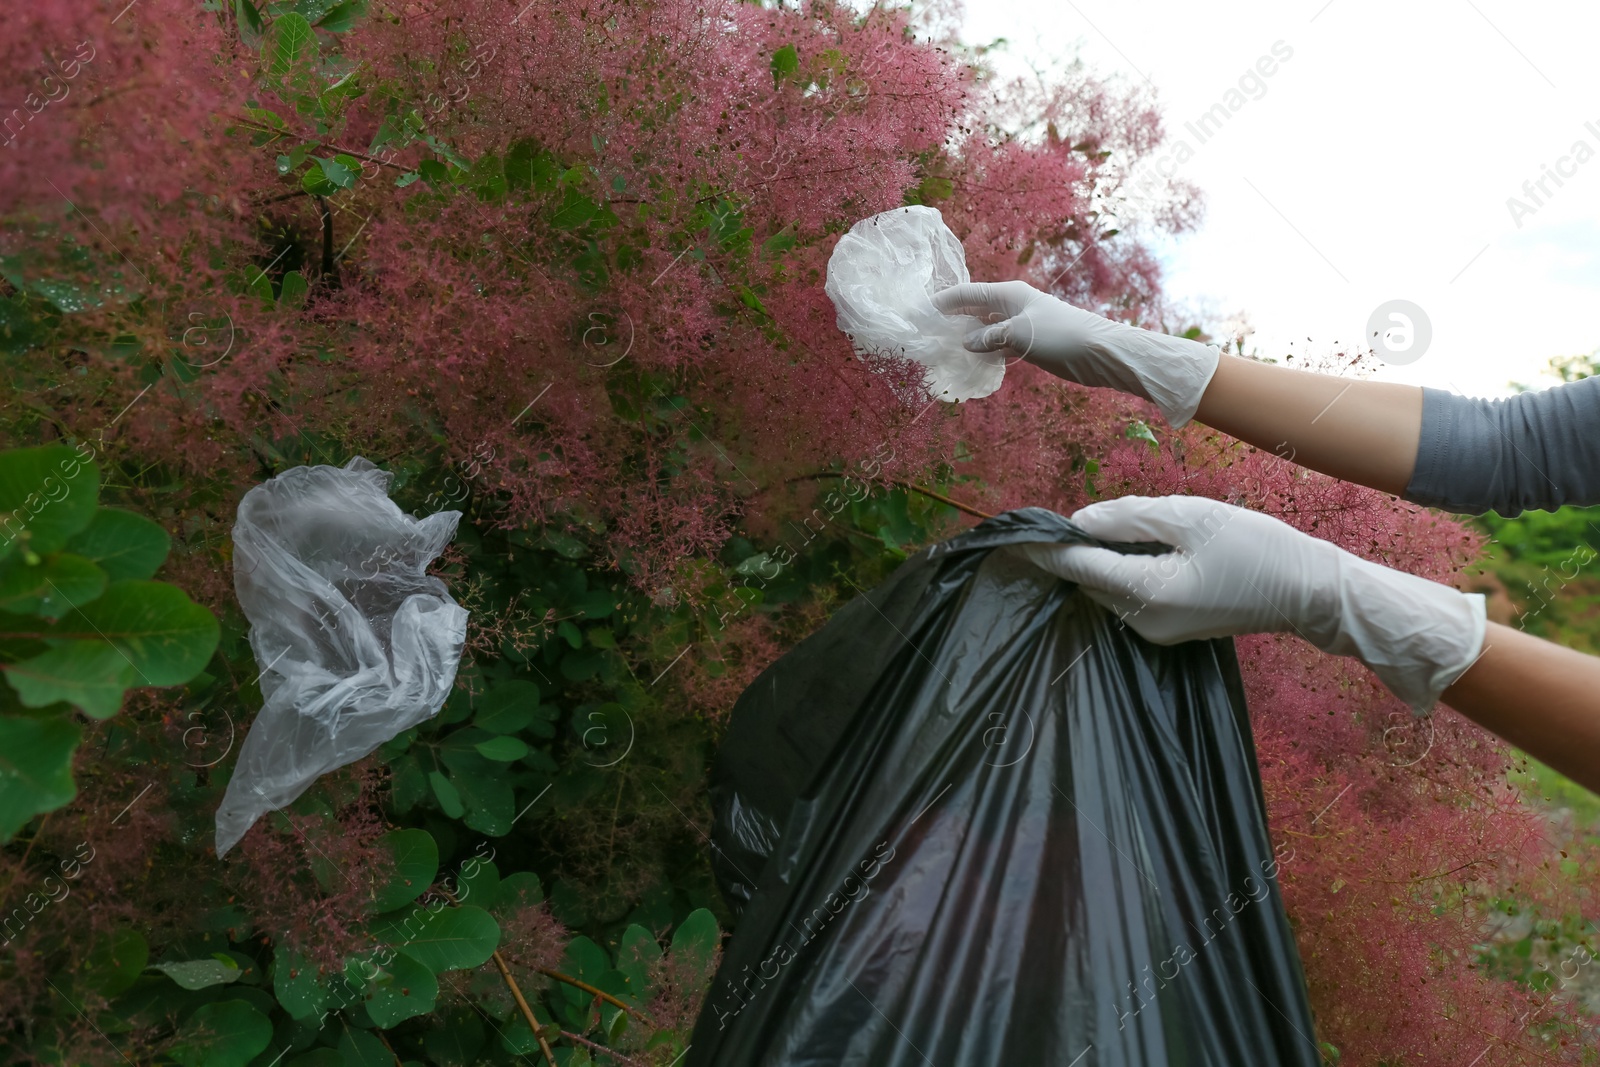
(1536, 450)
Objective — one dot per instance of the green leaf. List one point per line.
(20, 330)
(449, 799)
(507, 707)
(479, 883)
(563, 544)
(116, 961)
(410, 785)
(35, 768)
(52, 587)
(295, 984)
(444, 149)
(636, 952)
(292, 43)
(122, 544)
(934, 188)
(292, 291)
(168, 637)
(585, 961)
(227, 1033)
(260, 283)
(406, 179)
(1139, 430)
(528, 167)
(695, 942)
(199, 974)
(262, 117)
(249, 18)
(487, 794)
(457, 1041)
(751, 300)
(46, 495)
(70, 297)
(407, 989)
(416, 864)
(778, 244)
(518, 1039)
(343, 17)
(317, 183)
(358, 1048)
(570, 633)
(754, 564)
(503, 749)
(785, 64)
(336, 172)
(433, 172)
(324, 1057)
(444, 940)
(575, 211)
(311, 10)
(520, 890)
(93, 675)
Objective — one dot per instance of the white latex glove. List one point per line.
(1237, 571)
(1170, 372)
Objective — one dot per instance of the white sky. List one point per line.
(1390, 141)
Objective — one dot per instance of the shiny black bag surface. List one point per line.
(975, 821)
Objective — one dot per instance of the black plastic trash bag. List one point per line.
(976, 821)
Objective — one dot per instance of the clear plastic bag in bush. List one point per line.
(882, 277)
(354, 639)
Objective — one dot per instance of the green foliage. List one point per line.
(558, 754)
(80, 623)
(225, 1034)
(200, 974)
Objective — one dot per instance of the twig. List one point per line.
(279, 198)
(522, 1002)
(338, 149)
(328, 266)
(516, 991)
(587, 988)
(586, 1043)
(958, 505)
(390, 1047)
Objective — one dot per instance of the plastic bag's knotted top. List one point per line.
(354, 639)
(882, 277)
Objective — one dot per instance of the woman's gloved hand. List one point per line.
(1236, 571)
(1170, 372)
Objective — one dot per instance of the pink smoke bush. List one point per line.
(639, 340)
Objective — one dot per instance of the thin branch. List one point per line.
(279, 198)
(522, 1002)
(392, 1052)
(249, 125)
(511, 983)
(1431, 877)
(968, 508)
(587, 988)
(958, 505)
(329, 268)
(586, 1043)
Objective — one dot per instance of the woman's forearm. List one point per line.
(1541, 697)
(1360, 431)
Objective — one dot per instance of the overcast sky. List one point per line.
(1373, 164)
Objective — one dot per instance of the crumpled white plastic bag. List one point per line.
(882, 277)
(354, 639)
